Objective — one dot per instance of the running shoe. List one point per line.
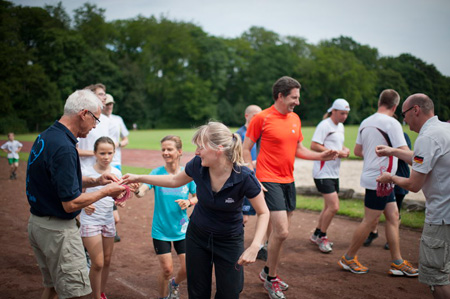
(314, 239)
(404, 268)
(116, 238)
(352, 265)
(174, 291)
(103, 296)
(372, 236)
(324, 245)
(263, 277)
(386, 246)
(274, 289)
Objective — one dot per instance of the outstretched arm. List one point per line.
(170, 181)
(317, 147)
(304, 153)
(402, 152)
(414, 183)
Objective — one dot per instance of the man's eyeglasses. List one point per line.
(404, 112)
(92, 114)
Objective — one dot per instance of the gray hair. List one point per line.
(82, 99)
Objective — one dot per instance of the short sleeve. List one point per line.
(64, 174)
(192, 187)
(252, 186)
(426, 153)
(320, 133)
(254, 128)
(191, 165)
(153, 172)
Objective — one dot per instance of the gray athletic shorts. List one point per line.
(434, 255)
(60, 255)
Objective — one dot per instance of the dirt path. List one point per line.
(310, 273)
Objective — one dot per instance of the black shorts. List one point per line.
(163, 247)
(372, 201)
(280, 197)
(327, 186)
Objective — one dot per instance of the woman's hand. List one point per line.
(183, 203)
(248, 256)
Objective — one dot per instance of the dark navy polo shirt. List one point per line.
(221, 212)
(53, 172)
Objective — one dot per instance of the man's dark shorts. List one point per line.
(280, 197)
(372, 201)
(327, 186)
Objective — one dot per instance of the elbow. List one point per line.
(414, 189)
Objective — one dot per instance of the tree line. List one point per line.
(165, 73)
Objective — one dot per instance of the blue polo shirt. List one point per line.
(53, 172)
(221, 212)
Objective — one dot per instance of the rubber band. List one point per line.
(123, 196)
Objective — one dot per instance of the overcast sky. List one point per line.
(418, 27)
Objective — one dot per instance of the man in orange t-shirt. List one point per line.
(278, 131)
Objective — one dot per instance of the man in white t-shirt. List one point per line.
(430, 166)
(12, 147)
(119, 132)
(103, 128)
(379, 129)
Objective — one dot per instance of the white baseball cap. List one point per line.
(340, 104)
(109, 99)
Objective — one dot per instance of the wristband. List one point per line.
(136, 192)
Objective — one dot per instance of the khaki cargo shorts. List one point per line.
(434, 255)
(60, 255)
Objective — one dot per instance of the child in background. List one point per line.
(97, 220)
(12, 147)
(170, 219)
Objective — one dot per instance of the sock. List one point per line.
(317, 232)
(349, 257)
(398, 262)
(266, 269)
(270, 278)
(322, 234)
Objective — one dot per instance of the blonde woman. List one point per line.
(215, 235)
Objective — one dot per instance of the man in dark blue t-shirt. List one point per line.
(54, 190)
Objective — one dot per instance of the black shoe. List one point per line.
(386, 246)
(116, 238)
(262, 254)
(372, 236)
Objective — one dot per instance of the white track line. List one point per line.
(130, 286)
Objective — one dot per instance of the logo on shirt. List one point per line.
(293, 131)
(418, 159)
(229, 200)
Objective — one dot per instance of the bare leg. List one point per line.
(280, 230)
(49, 293)
(166, 265)
(331, 206)
(391, 214)
(441, 292)
(363, 230)
(108, 246)
(94, 246)
(181, 275)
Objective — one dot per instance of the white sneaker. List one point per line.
(324, 245)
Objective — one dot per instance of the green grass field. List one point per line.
(150, 139)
